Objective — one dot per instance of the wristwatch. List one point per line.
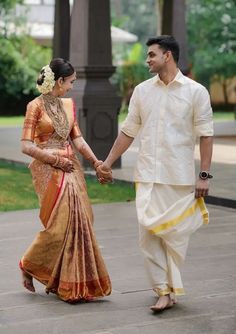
(205, 175)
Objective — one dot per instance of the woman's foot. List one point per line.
(89, 299)
(163, 303)
(27, 281)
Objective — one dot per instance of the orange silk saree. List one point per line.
(64, 256)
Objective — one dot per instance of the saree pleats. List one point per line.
(65, 256)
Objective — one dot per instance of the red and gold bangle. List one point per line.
(97, 163)
(55, 164)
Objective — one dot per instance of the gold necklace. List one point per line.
(56, 112)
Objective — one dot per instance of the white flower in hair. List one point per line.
(48, 82)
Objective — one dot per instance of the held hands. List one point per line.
(103, 172)
(202, 188)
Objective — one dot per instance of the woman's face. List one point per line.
(66, 84)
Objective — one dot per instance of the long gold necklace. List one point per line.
(57, 114)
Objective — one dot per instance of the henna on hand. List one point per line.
(64, 164)
(104, 175)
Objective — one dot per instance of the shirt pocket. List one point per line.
(179, 113)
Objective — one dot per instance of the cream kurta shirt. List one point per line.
(169, 118)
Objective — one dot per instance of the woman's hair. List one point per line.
(61, 69)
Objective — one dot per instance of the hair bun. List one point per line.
(46, 80)
(40, 78)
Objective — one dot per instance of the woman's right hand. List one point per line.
(65, 164)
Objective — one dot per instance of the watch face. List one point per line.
(204, 175)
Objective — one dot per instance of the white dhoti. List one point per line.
(167, 216)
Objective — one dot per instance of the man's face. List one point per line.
(156, 58)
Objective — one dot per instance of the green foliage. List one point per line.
(212, 38)
(7, 5)
(130, 75)
(132, 71)
(138, 17)
(21, 60)
(136, 54)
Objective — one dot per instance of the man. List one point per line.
(168, 111)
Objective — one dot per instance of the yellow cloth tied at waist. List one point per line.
(186, 215)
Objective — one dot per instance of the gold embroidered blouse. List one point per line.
(38, 127)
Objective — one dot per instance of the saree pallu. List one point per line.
(167, 216)
(65, 256)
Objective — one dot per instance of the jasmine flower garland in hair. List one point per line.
(48, 82)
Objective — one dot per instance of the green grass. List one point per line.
(221, 116)
(13, 121)
(218, 116)
(16, 188)
(119, 191)
(16, 121)
(17, 191)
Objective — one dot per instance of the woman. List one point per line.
(64, 256)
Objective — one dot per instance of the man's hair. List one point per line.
(166, 43)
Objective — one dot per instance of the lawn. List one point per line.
(218, 116)
(221, 116)
(16, 121)
(17, 191)
(11, 121)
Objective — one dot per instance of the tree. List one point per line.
(159, 10)
(138, 17)
(212, 40)
(7, 5)
(21, 60)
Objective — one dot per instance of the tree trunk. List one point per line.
(173, 23)
(225, 93)
(167, 17)
(118, 7)
(159, 8)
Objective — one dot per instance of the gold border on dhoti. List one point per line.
(167, 291)
(199, 203)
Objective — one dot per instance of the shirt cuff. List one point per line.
(204, 130)
(129, 129)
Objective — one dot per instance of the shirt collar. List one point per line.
(178, 78)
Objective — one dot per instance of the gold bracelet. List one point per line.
(55, 164)
(96, 164)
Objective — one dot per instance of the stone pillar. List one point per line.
(90, 53)
(61, 39)
(174, 24)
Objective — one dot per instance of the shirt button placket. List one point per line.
(160, 137)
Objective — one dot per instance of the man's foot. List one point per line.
(174, 300)
(27, 281)
(163, 303)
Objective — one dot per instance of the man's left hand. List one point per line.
(202, 188)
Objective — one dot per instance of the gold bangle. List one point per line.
(96, 164)
(55, 164)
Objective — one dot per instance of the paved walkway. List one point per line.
(209, 273)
